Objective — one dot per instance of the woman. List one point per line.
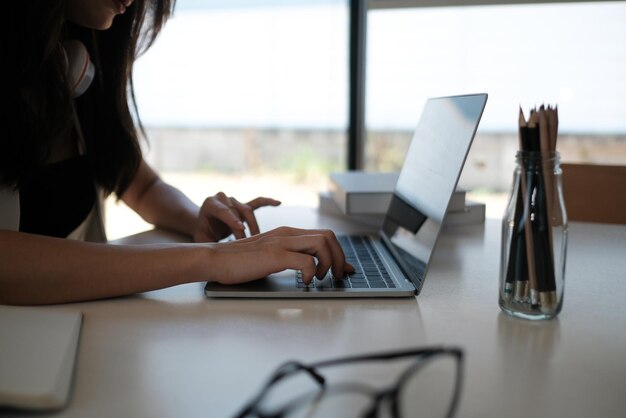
(58, 154)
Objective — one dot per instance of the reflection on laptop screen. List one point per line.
(428, 178)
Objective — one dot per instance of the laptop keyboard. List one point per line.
(369, 269)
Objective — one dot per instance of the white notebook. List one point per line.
(37, 354)
(364, 193)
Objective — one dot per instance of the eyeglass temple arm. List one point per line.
(283, 371)
(294, 366)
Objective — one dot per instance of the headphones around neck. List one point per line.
(80, 69)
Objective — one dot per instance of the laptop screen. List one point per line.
(428, 178)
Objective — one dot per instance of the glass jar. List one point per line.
(534, 239)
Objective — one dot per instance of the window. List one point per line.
(571, 55)
(250, 97)
(245, 97)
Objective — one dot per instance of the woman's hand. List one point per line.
(221, 215)
(313, 252)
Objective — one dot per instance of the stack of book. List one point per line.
(363, 198)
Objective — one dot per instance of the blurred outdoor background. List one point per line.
(250, 97)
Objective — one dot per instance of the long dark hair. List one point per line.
(39, 106)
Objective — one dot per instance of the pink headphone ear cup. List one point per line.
(80, 69)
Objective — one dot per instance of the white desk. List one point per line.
(173, 353)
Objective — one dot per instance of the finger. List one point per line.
(232, 204)
(339, 265)
(228, 202)
(302, 262)
(315, 245)
(238, 209)
(247, 213)
(218, 208)
(263, 201)
(319, 248)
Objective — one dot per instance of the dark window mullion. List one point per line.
(356, 93)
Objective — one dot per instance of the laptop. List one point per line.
(394, 263)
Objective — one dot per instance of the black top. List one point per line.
(56, 198)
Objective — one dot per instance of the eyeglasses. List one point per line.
(368, 386)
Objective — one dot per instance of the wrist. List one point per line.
(189, 220)
(204, 262)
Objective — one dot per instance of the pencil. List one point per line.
(516, 268)
(546, 171)
(532, 146)
(553, 126)
(547, 296)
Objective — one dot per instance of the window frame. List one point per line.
(357, 32)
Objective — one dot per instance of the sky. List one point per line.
(284, 64)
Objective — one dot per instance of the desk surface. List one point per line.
(174, 353)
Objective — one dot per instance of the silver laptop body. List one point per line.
(404, 246)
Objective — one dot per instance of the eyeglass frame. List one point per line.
(251, 409)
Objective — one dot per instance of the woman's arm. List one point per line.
(165, 206)
(36, 269)
(42, 270)
(159, 203)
